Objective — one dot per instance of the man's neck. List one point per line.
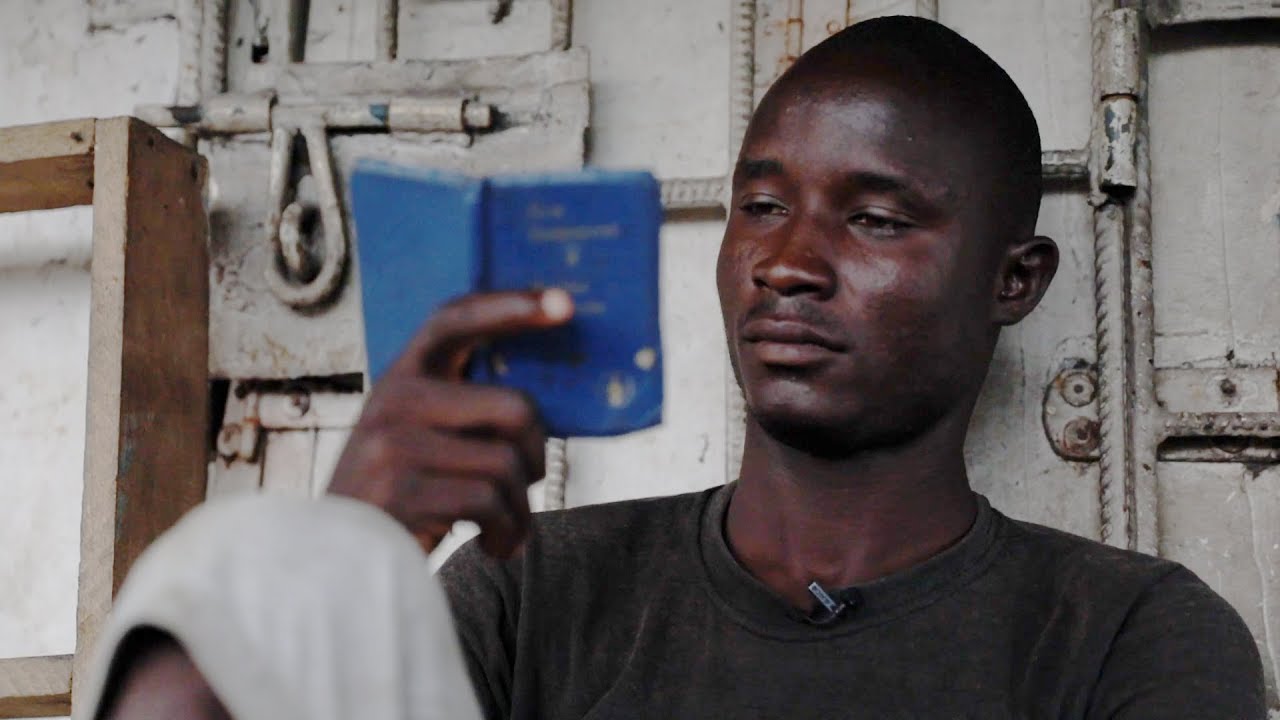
(796, 518)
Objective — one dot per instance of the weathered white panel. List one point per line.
(1044, 45)
(786, 28)
(286, 465)
(1235, 390)
(1215, 138)
(329, 445)
(240, 39)
(1223, 521)
(659, 84)
(339, 30)
(1009, 457)
(777, 42)
(309, 410)
(123, 13)
(233, 477)
(686, 452)
(457, 29)
(44, 346)
(60, 70)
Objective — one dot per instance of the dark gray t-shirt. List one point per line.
(639, 610)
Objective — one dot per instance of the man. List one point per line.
(881, 233)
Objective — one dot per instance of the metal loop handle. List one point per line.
(284, 222)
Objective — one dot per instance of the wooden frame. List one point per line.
(147, 415)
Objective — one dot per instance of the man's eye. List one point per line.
(879, 224)
(759, 208)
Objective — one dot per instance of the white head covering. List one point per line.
(291, 608)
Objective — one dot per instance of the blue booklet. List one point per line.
(426, 237)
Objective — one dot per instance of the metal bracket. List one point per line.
(1070, 412)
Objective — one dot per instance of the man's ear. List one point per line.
(1025, 273)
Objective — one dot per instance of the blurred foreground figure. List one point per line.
(268, 608)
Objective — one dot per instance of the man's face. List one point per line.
(857, 274)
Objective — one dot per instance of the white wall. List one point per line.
(53, 67)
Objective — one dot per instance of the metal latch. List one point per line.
(304, 276)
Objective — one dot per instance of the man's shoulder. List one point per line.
(1072, 557)
(1090, 571)
(1161, 631)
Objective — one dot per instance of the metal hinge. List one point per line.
(1120, 76)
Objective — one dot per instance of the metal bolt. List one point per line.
(1081, 436)
(1078, 388)
(229, 441)
(299, 404)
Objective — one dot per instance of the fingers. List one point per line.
(430, 449)
(428, 480)
(463, 408)
(444, 344)
(501, 530)
(499, 464)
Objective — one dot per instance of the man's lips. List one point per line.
(782, 341)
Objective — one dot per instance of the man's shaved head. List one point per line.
(882, 231)
(934, 66)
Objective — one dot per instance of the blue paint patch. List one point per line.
(122, 505)
(126, 458)
(381, 111)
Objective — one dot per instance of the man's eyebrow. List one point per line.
(756, 168)
(898, 185)
(864, 180)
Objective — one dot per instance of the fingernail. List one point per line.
(556, 304)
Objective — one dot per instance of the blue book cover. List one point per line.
(426, 237)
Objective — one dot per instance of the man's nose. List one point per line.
(794, 266)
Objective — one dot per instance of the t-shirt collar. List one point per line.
(755, 606)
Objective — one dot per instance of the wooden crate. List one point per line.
(147, 414)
